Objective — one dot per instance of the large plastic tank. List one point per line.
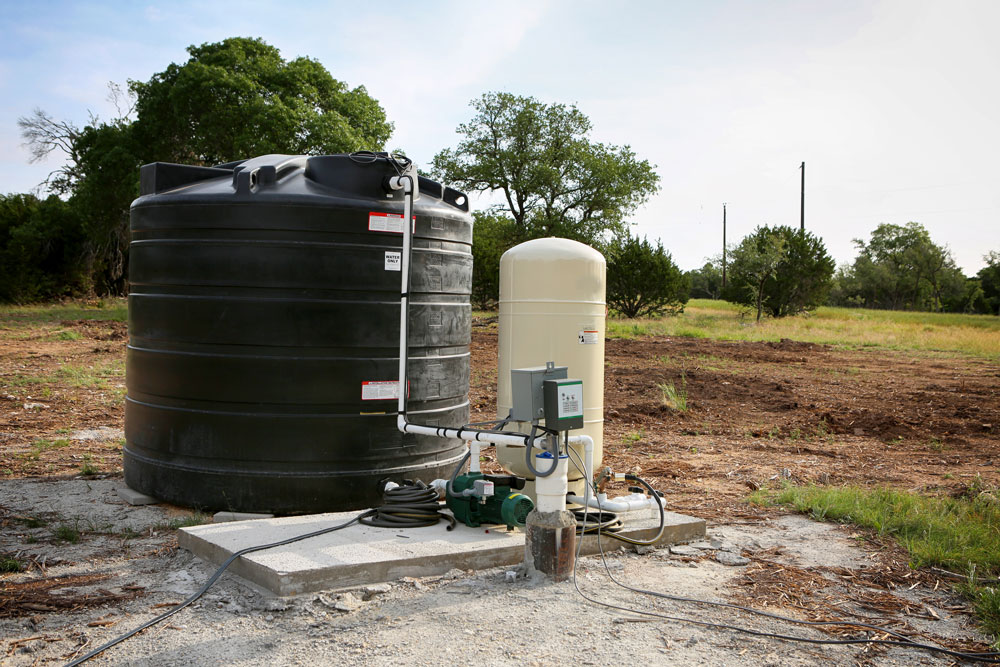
(552, 308)
(264, 331)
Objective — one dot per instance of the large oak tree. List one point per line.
(231, 100)
(239, 98)
(554, 181)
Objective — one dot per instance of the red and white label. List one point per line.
(588, 337)
(381, 390)
(387, 222)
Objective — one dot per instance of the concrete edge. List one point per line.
(679, 528)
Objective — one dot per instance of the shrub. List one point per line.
(43, 249)
(492, 235)
(780, 271)
(643, 280)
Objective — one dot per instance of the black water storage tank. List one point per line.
(264, 330)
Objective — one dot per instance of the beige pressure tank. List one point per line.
(552, 308)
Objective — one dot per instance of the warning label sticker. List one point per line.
(380, 390)
(588, 337)
(570, 400)
(393, 260)
(387, 222)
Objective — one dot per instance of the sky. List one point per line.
(892, 104)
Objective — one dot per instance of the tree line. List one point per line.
(898, 268)
(239, 98)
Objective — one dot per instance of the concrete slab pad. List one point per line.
(360, 555)
(133, 497)
(223, 517)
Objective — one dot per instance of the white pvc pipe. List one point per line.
(474, 456)
(588, 459)
(466, 433)
(550, 491)
(404, 183)
(631, 503)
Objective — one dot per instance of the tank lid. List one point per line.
(347, 174)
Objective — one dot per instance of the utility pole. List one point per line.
(802, 201)
(723, 245)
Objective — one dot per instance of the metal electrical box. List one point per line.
(563, 404)
(528, 403)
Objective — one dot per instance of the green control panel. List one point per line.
(563, 402)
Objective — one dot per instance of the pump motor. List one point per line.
(489, 499)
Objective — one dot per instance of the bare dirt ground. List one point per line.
(758, 413)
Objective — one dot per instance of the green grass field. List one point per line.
(19, 317)
(976, 335)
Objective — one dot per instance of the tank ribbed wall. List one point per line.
(263, 334)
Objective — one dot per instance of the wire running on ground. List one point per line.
(902, 641)
(208, 584)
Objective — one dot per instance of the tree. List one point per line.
(844, 289)
(239, 98)
(43, 252)
(706, 282)
(231, 100)
(554, 181)
(780, 271)
(901, 268)
(643, 280)
(989, 283)
(492, 235)
(802, 279)
(42, 135)
(108, 162)
(751, 264)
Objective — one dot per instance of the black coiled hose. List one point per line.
(592, 521)
(412, 505)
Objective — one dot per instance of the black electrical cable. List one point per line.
(400, 163)
(588, 523)
(807, 640)
(218, 573)
(750, 609)
(601, 529)
(450, 488)
(988, 657)
(554, 452)
(412, 505)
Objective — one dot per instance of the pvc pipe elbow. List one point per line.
(404, 183)
(441, 486)
(619, 505)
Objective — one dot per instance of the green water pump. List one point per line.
(489, 499)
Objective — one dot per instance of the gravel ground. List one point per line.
(479, 617)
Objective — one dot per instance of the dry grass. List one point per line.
(976, 335)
